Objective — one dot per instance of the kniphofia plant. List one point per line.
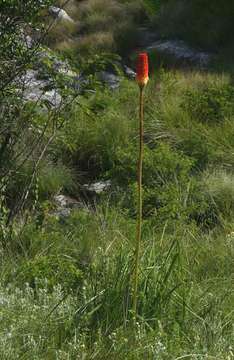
(142, 79)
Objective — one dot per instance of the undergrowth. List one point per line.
(66, 281)
(66, 277)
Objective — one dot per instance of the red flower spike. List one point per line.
(142, 68)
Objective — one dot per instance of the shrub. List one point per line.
(53, 178)
(87, 141)
(50, 178)
(54, 270)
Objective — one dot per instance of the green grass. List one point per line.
(100, 25)
(185, 302)
(66, 288)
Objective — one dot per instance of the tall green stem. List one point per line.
(139, 202)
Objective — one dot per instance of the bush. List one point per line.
(54, 178)
(87, 142)
(52, 270)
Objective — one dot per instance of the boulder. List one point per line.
(63, 67)
(64, 206)
(34, 89)
(178, 50)
(109, 79)
(64, 201)
(60, 14)
(130, 74)
(98, 187)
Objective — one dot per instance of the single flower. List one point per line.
(142, 69)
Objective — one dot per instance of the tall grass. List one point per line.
(100, 25)
(66, 286)
(184, 308)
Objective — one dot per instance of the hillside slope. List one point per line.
(68, 164)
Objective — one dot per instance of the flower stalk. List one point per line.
(142, 78)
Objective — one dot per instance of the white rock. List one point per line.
(60, 14)
(29, 42)
(129, 72)
(65, 204)
(98, 187)
(63, 67)
(65, 201)
(34, 89)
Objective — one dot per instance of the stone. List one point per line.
(64, 201)
(60, 14)
(73, 79)
(34, 89)
(63, 67)
(64, 206)
(179, 50)
(62, 213)
(29, 42)
(98, 187)
(129, 73)
(110, 79)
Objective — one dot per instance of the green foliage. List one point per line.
(209, 103)
(165, 174)
(204, 23)
(53, 178)
(52, 270)
(221, 189)
(182, 292)
(14, 53)
(87, 140)
(104, 62)
(67, 289)
(101, 26)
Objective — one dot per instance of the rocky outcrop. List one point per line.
(35, 89)
(38, 84)
(178, 50)
(146, 37)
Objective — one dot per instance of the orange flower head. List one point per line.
(142, 68)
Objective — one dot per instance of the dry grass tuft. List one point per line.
(96, 42)
(99, 25)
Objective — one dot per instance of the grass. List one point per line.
(101, 25)
(66, 282)
(181, 311)
(66, 287)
